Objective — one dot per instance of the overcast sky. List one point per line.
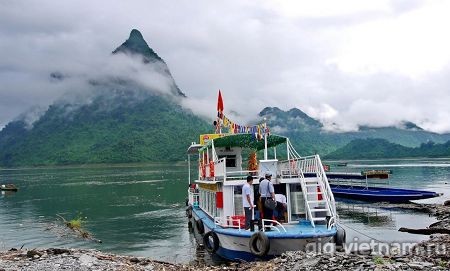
(348, 62)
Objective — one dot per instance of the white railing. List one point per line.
(331, 222)
(271, 225)
(324, 180)
(293, 166)
(241, 174)
(305, 195)
(310, 166)
(220, 168)
(207, 170)
(193, 197)
(229, 222)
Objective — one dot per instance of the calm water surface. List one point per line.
(138, 209)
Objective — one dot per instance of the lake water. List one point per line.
(138, 209)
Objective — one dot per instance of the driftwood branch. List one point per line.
(63, 219)
(81, 232)
(427, 231)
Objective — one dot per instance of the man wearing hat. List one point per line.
(266, 190)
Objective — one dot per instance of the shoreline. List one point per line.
(431, 254)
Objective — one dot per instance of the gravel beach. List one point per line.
(433, 254)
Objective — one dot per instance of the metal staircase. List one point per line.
(319, 201)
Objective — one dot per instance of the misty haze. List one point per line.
(124, 124)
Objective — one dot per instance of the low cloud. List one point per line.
(353, 63)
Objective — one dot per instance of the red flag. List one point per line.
(220, 103)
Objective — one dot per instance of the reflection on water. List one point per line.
(138, 209)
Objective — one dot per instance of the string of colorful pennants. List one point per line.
(257, 131)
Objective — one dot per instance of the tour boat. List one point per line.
(215, 209)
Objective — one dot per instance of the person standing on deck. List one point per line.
(248, 200)
(266, 190)
(281, 206)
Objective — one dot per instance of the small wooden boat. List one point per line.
(8, 187)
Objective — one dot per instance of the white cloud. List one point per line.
(412, 44)
(347, 63)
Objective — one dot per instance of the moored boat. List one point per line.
(362, 186)
(215, 208)
(378, 194)
(8, 187)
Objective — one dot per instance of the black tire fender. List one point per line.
(340, 237)
(199, 226)
(211, 248)
(259, 244)
(189, 212)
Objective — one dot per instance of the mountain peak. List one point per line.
(269, 111)
(136, 44)
(293, 118)
(407, 125)
(135, 34)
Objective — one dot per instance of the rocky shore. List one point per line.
(433, 254)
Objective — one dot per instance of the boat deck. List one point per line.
(294, 230)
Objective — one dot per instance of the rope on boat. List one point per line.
(347, 226)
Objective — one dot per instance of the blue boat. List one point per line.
(377, 194)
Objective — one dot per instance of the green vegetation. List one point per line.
(307, 135)
(76, 223)
(109, 130)
(378, 260)
(120, 123)
(381, 148)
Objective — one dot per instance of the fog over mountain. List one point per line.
(348, 63)
(137, 113)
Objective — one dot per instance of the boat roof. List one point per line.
(193, 149)
(245, 141)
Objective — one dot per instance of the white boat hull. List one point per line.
(234, 247)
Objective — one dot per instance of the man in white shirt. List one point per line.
(247, 201)
(266, 190)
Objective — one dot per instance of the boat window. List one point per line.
(208, 202)
(238, 208)
(230, 161)
(297, 202)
